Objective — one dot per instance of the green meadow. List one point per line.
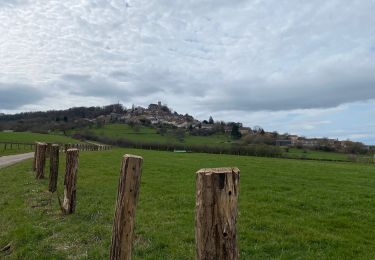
(288, 209)
(28, 137)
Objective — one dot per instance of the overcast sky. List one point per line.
(303, 67)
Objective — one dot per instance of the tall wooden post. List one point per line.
(216, 214)
(40, 160)
(53, 167)
(69, 203)
(127, 198)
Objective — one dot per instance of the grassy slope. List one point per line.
(27, 137)
(146, 134)
(287, 208)
(149, 135)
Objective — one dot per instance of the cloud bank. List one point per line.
(202, 57)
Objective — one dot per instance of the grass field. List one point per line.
(288, 209)
(27, 137)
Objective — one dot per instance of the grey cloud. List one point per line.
(326, 88)
(94, 86)
(236, 55)
(13, 96)
(12, 3)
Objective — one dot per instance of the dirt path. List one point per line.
(12, 159)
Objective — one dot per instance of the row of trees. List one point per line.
(254, 150)
(54, 120)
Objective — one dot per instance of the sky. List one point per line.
(301, 67)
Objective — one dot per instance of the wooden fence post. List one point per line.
(40, 160)
(216, 214)
(69, 203)
(127, 198)
(53, 167)
(35, 156)
(48, 149)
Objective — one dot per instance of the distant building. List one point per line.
(245, 130)
(183, 125)
(207, 126)
(153, 107)
(115, 116)
(310, 142)
(293, 139)
(283, 142)
(227, 129)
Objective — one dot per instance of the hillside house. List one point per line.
(227, 129)
(207, 126)
(310, 142)
(154, 107)
(245, 130)
(183, 125)
(284, 142)
(293, 139)
(115, 116)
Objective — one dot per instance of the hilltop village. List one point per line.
(159, 116)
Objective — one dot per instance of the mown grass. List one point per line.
(28, 137)
(288, 209)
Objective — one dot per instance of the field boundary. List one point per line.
(63, 146)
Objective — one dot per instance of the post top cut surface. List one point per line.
(132, 156)
(209, 171)
(55, 145)
(72, 150)
(40, 143)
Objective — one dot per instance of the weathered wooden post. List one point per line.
(40, 160)
(49, 145)
(69, 203)
(127, 198)
(216, 214)
(53, 167)
(35, 156)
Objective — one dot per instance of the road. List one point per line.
(13, 159)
